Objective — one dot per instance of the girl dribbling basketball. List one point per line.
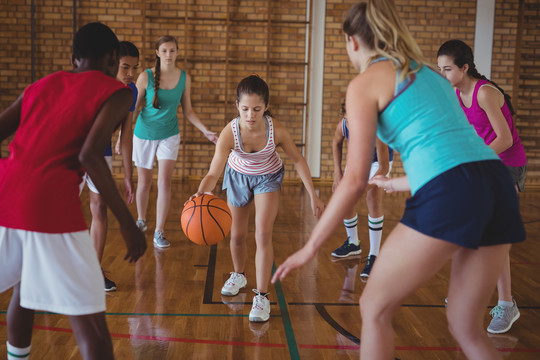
(254, 172)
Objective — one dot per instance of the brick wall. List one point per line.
(217, 56)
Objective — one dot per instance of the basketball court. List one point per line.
(169, 306)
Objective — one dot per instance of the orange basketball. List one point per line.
(206, 220)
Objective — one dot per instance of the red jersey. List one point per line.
(39, 181)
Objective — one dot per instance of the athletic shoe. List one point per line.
(503, 318)
(347, 249)
(160, 241)
(369, 264)
(141, 224)
(109, 284)
(260, 311)
(234, 284)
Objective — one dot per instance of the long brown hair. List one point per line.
(378, 25)
(157, 66)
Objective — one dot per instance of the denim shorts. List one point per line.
(241, 187)
(518, 175)
(474, 204)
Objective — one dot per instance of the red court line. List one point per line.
(164, 338)
(303, 346)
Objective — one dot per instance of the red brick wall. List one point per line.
(217, 59)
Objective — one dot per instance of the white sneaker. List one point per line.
(260, 311)
(234, 284)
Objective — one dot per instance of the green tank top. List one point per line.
(158, 124)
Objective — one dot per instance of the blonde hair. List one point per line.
(377, 23)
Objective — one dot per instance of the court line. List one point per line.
(274, 345)
(286, 319)
(330, 320)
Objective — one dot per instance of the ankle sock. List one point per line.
(506, 304)
(15, 353)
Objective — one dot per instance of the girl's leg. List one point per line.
(239, 230)
(398, 272)
(504, 283)
(266, 208)
(19, 321)
(166, 168)
(473, 277)
(98, 228)
(92, 336)
(144, 183)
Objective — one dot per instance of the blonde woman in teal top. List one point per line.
(463, 205)
(161, 90)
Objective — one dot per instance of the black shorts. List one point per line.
(471, 205)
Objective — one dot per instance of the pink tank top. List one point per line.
(515, 154)
(266, 161)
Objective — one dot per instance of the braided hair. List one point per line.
(462, 54)
(157, 74)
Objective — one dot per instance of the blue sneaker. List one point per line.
(347, 249)
(369, 265)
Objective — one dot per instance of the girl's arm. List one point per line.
(224, 145)
(141, 84)
(391, 184)
(126, 143)
(10, 120)
(113, 111)
(383, 158)
(190, 114)
(489, 100)
(366, 94)
(337, 154)
(283, 139)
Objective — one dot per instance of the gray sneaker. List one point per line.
(141, 224)
(503, 318)
(160, 241)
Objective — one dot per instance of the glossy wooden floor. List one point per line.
(168, 305)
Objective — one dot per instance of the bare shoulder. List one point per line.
(281, 134)
(375, 85)
(488, 94)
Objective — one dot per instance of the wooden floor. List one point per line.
(169, 306)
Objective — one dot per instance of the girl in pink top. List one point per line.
(490, 111)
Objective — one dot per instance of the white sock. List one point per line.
(375, 234)
(15, 353)
(351, 225)
(506, 304)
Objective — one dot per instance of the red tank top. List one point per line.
(39, 181)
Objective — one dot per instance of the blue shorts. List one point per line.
(472, 205)
(241, 187)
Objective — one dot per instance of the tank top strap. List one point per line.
(344, 128)
(269, 131)
(236, 134)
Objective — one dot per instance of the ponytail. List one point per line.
(157, 74)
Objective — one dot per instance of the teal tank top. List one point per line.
(425, 123)
(158, 124)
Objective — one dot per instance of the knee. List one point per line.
(263, 237)
(376, 309)
(98, 208)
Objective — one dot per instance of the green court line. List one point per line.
(155, 314)
(289, 332)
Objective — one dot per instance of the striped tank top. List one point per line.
(264, 162)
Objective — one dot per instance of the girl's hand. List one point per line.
(317, 206)
(196, 195)
(210, 135)
(337, 180)
(294, 261)
(382, 182)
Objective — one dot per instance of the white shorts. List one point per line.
(89, 181)
(144, 151)
(59, 273)
(375, 168)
